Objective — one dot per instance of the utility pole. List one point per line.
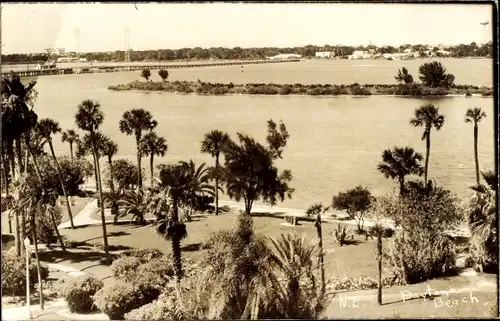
(127, 47)
(485, 31)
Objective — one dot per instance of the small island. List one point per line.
(435, 81)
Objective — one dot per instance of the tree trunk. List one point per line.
(6, 182)
(95, 174)
(139, 174)
(151, 166)
(37, 171)
(427, 154)
(23, 211)
(379, 248)
(111, 183)
(38, 268)
(217, 184)
(68, 205)
(321, 263)
(101, 201)
(71, 152)
(476, 157)
(401, 186)
(176, 242)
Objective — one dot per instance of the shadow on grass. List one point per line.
(77, 257)
(191, 247)
(268, 214)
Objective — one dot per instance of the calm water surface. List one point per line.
(335, 142)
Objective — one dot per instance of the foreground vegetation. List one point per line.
(241, 272)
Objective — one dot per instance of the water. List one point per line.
(477, 72)
(335, 142)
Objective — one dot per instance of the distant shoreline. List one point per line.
(206, 88)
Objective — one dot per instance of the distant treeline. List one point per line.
(237, 53)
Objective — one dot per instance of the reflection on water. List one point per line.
(335, 142)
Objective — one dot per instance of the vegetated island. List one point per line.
(207, 88)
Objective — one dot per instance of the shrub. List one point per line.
(118, 298)
(363, 283)
(145, 255)
(357, 90)
(45, 228)
(161, 266)
(125, 267)
(285, 90)
(314, 91)
(14, 273)
(79, 293)
(157, 310)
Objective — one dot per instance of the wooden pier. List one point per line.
(119, 68)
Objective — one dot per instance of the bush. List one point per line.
(118, 298)
(387, 231)
(361, 91)
(161, 266)
(157, 310)
(285, 90)
(342, 235)
(314, 91)
(14, 273)
(79, 293)
(363, 283)
(125, 267)
(145, 255)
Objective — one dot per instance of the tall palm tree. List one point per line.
(47, 127)
(400, 162)
(71, 137)
(151, 145)
(88, 118)
(427, 116)
(474, 116)
(109, 149)
(213, 143)
(174, 179)
(135, 203)
(134, 122)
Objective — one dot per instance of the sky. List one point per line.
(28, 27)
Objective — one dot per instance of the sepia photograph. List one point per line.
(246, 160)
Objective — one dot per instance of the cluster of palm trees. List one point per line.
(399, 162)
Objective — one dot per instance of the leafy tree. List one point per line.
(421, 249)
(163, 73)
(316, 209)
(475, 116)
(71, 137)
(356, 202)
(146, 73)
(433, 74)
(399, 163)
(151, 145)
(250, 172)
(124, 173)
(212, 144)
(47, 127)
(404, 76)
(134, 122)
(427, 116)
(89, 118)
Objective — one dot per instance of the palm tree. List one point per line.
(151, 145)
(475, 115)
(174, 179)
(212, 144)
(46, 127)
(198, 178)
(88, 118)
(71, 137)
(319, 210)
(134, 122)
(400, 162)
(404, 77)
(135, 203)
(427, 116)
(109, 149)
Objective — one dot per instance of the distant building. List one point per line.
(66, 59)
(325, 54)
(360, 54)
(407, 50)
(444, 52)
(285, 57)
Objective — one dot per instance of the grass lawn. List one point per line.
(348, 260)
(79, 204)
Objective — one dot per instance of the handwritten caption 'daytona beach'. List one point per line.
(442, 298)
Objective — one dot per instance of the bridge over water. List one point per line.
(134, 67)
